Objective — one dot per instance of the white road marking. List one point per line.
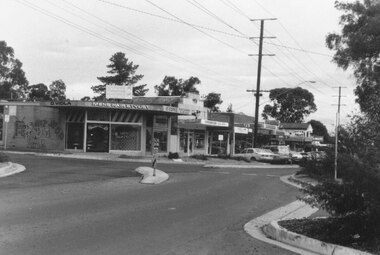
(270, 175)
(250, 174)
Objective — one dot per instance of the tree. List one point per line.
(39, 92)
(212, 100)
(123, 74)
(13, 82)
(229, 108)
(290, 105)
(86, 98)
(320, 129)
(171, 86)
(57, 90)
(355, 198)
(358, 46)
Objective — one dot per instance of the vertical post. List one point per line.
(154, 161)
(336, 138)
(258, 84)
(5, 135)
(6, 120)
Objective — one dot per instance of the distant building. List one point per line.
(296, 135)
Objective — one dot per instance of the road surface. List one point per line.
(69, 206)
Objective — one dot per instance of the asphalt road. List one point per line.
(69, 206)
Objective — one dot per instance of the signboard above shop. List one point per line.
(118, 92)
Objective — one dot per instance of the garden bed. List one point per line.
(338, 231)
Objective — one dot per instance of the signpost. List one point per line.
(154, 161)
(156, 143)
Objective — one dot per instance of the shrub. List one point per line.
(173, 155)
(4, 157)
(319, 168)
(356, 197)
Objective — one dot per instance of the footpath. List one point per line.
(264, 228)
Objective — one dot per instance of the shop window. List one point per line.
(98, 115)
(125, 137)
(160, 140)
(199, 140)
(75, 136)
(97, 137)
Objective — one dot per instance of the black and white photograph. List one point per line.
(188, 127)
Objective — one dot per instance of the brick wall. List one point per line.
(36, 128)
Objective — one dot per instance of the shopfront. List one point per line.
(131, 129)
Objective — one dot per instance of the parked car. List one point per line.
(282, 152)
(296, 156)
(257, 154)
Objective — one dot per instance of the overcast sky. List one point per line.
(73, 40)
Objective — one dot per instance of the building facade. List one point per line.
(139, 127)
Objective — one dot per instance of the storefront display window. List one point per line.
(75, 134)
(243, 141)
(125, 137)
(219, 143)
(97, 137)
(160, 133)
(200, 140)
(160, 140)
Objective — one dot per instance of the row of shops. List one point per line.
(138, 127)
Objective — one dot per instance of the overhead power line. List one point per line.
(119, 44)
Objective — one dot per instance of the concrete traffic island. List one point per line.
(9, 168)
(148, 177)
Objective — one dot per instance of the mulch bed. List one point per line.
(333, 230)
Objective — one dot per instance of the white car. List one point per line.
(296, 156)
(257, 154)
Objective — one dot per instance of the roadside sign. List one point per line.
(220, 137)
(6, 118)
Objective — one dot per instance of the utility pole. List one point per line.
(337, 134)
(257, 95)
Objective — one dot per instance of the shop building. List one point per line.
(138, 127)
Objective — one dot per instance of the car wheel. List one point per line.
(253, 159)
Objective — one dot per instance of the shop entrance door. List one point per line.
(187, 142)
(97, 137)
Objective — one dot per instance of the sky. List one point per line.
(73, 40)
